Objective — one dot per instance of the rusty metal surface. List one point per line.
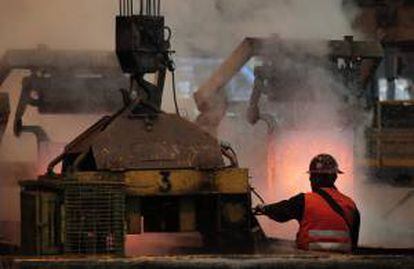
(130, 142)
(85, 140)
(171, 142)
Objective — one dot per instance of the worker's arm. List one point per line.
(286, 210)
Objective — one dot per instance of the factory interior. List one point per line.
(162, 133)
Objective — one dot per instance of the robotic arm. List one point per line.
(210, 97)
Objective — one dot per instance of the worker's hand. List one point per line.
(259, 209)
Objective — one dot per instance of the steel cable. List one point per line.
(177, 110)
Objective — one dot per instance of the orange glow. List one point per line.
(162, 243)
(289, 155)
(271, 165)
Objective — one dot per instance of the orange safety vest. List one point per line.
(321, 228)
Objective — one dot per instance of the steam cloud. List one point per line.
(73, 24)
(217, 26)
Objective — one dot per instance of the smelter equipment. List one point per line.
(139, 170)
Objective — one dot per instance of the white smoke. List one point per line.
(216, 26)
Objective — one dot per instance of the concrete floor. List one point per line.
(279, 254)
(222, 261)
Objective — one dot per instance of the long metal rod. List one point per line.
(215, 84)
(159, 8)
(132, 7)
(177, 109)
(231, 66)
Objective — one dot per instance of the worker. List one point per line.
(329, 220)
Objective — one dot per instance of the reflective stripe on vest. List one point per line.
(321, 228)
(330, 246)
(330, 234)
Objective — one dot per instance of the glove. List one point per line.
(259, 209)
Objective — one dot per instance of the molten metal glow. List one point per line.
(162, 244)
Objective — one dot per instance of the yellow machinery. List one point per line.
(139, 170)
(390, 153)
(390, 141)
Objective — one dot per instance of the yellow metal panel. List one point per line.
(175, 182)
(98, 177)
(397, 163)
(232, 181)
(178, 182)
(367, 162)
(388, 163)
